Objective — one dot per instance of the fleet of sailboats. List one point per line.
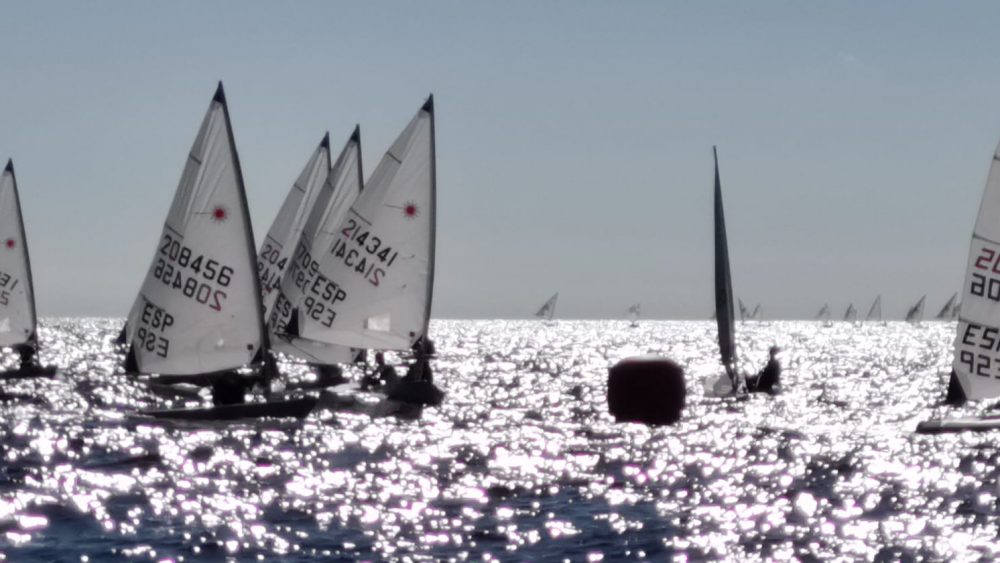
(348, 266)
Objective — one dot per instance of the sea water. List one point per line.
(521, 462)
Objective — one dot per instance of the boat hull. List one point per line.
(414, 392)
(295, 408)
(47, 371)
(947, 425)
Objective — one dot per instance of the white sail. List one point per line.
(851, 315)
(977, 359)
(946, 310)
(875, 312)
(283, 236)
(199, 309)
(17, 296)
(756, 314)
(744, 312)
(633, 313)
(377, 276)
(548, 309)
(916, 312)
(303, 285)
(824, 313)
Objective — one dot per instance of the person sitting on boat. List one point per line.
(229, 389)
(770, 377)
(419, 371)
(384, 374)
(27, 353)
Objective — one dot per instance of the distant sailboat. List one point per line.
(725, 317)
(851, 315)
(744, 312)
(756, 314)
(875, 311)
(916, 312)
(824, 315)
(633, 315)
(946, 311)
(18, 321)
(199, 312)
(953, 315)
(548, 309)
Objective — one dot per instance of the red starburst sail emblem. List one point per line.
(220, 213)
(410, 210)
(10, 243)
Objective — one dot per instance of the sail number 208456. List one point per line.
(179, 268)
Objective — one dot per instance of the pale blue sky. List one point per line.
(574, 140)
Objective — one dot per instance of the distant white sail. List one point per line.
(744, 313)
(875, 312)
(851, 315)
(199, 309)
(378, 275)
(916, 312)
(755, 314)
(283, 236)
(548, 309)
(303, 286)
(17, 296)
(977, 359)
(945, 312)
(634, 311)
(824, 313)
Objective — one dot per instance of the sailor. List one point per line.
(329, 375)
(27, 353)
(768, 379)
(383, 374)
(228, 389)
(420, 369)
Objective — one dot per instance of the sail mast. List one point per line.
(723, 283)
(429, 108)
(265, 345)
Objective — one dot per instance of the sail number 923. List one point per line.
(977, 349)
(179, 268)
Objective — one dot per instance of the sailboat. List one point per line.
(851, 315)
(633, 315)
(285, 231)
(320, 233)
(976, 363)
(875, 311)
(548, 309)
(756, 314)
(372, 286)
(725, 317)
(18, 321)
(199, 315)
(744, 312)
(946, 311)
(916, 313)
(824, 315)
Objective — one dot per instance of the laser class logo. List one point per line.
(220, 214)
(10, 243)
(410, 210)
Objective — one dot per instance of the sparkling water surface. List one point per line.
(522, 461)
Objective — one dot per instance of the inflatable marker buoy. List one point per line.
(646, 389)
